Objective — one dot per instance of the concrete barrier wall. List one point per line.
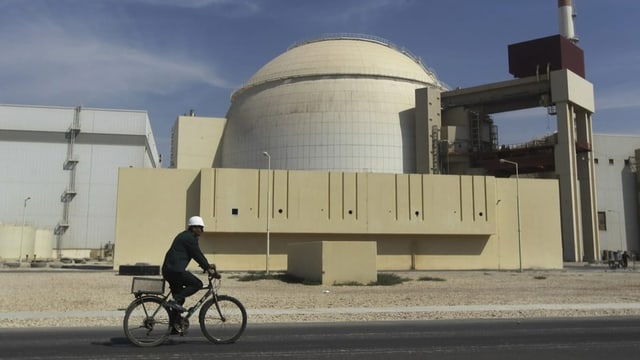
(416, 221)
(349, 261)
(153, 206)
(333, 262)
(304, 260)
(235, 200)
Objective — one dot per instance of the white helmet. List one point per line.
(195, 221)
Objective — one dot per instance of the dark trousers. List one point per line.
(183, 284)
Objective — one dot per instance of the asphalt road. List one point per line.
(584, 339)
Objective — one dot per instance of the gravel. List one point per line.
(82, 298)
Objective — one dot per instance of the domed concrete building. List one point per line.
(362, 142)
(341, 103)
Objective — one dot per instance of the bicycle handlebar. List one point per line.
(214, 275)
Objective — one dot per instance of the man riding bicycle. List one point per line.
(183, 249)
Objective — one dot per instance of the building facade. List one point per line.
(332, 141)
(338, 103)
(416, 221)
(617, 189)
(60, 168)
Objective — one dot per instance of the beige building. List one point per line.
(343, 139)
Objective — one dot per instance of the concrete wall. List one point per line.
(234, 200)
(333, 262)
(540, 224)
(152, 208)
(352, 113)
(417, 221)
(304, 260)
(195, 141)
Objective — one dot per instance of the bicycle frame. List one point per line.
(225, 327)
(211, 287)
(210, 292)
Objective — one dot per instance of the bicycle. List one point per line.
(149, 321)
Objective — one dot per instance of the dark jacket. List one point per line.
(184, 248)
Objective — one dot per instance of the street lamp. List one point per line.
(268, 185)
(517, 206)
(24, 212)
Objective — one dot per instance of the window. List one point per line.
(626, 162)
(602, 220)
(595, 160)
(610, 161)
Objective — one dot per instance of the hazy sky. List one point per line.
(170, 56)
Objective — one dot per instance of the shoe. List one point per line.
(175, 306)
(179, 328)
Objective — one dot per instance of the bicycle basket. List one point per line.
(147, 286)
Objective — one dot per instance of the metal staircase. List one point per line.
(435, 150)
(69, 165)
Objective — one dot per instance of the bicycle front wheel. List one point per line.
(223, 321)
(147, 322)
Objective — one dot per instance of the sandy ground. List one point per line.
(58, 297)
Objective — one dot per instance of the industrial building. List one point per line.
(615, 158)
(343, 138)
(59, 178)
(338, 104)
(350, 138)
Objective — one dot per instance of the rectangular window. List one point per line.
(610, 161)
(602, 220)
(595, 160)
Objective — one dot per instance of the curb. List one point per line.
(346, 310)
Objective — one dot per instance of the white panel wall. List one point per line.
(92, 216)
(16, 117)
(113, 121)
(35, 168)
(616, 190)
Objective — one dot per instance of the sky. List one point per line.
(168, 57)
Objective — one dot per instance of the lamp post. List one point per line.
(24, 212)
(268, 186)
(517, 207)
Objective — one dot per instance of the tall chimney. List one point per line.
(565, 14)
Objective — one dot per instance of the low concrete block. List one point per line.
(333, 262)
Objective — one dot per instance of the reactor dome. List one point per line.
(339, 103)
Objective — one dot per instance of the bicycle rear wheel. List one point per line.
(147, 322)
(224, 321)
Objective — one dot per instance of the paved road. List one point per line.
(583, 339)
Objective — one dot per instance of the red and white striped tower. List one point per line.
(565, 15)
